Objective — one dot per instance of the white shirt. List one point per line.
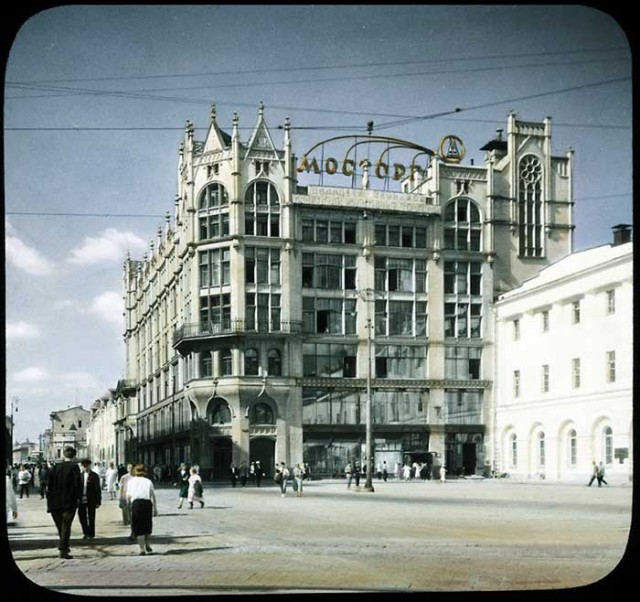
(140, 488)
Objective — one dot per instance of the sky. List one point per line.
(96, 99)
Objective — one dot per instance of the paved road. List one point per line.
(464, 535)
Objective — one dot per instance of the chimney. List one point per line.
(621, 234)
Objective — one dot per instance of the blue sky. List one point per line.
(96, 98)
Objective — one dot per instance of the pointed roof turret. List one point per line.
(261, 138)
(216, 138)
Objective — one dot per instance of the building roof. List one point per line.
(572, 265)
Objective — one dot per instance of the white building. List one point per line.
(68, 427)
(564, 368)
(101, 432)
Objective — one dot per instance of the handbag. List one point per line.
(198, 489)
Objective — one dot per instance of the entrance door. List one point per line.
(469, 458)
(263, 449)
(222, 456)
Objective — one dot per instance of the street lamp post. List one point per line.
(14, 408)
(368, 485)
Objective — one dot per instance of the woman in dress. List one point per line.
(195, 488)
(183, 483)
(142, 497)
(111, 478)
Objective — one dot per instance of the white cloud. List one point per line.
(109, 246)
(24, 257)
(108, 306)
(30, 375)
(21, 330)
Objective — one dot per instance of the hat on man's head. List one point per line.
(69, 452)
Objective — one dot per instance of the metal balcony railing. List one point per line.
(233, 327)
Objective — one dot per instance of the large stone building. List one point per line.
(564, 368)
(68, 427)
(267, 312)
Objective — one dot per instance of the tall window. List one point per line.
(251, 365)
(262, 209)
(328, 231)
(463, 301)
(400, 274)
(516, 383)
(611, 366)
(226, 362)
(541, 449)
(544, 319)
(400, 318)
(607, 445)
(545, 378)
(400, 361)
(575, 312)
(611, 301)
(261, 413)
(215, 313)
(274, 363)
(263, 312)
(206, 365)
(214, 266)
(530, 218)
(516, 330)
(575, 372)
(213, 212)
(462, 227)
(262, 265)
(572, 448)
(329, 360)
(513, 441)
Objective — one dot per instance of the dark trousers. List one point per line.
(87, 516)
(43, 490)
(24, 489)
(63, 520)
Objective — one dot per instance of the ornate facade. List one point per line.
(266, 311)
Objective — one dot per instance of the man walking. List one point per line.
(601, 471)
(63, 493)
(43, 476)
(90, 500)
(594, 474)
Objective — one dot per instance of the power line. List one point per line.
(327, 67)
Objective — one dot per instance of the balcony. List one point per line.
(187, 335)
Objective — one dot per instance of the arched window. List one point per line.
(262, 209)
(226, 364)
(572, 449)
(221, 413)
(275, 363)
(530, 216)
(251, 365)
(513, 448)
(462, 227)
(213, 212)
(261, 413)
(540, 449)
(607, 445)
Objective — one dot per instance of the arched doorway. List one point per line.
(222, 455)
(263, 449)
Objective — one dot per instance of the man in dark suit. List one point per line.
(90, 500)
(63, 493)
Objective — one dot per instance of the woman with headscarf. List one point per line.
(142, 497)
(183, 482)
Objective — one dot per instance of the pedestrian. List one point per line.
(356, 473)
(243, 472)
(12, 501)
(233, 474)
(252, 471)
(63, 494)
(123, 502)
(259, 473)
(348, 471)
(141, 495)
(196, 488)
(385, 471)
(111, 478)
(123, 470)
(183, 483)
(90, 500)
(307, 472)
(24, 479)
(281, 477)
(43, 475)
(379, 471)
(600, 476)
(157, 473)
(298, 478)
(443, 473)
(594, 473)
(406, 472)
